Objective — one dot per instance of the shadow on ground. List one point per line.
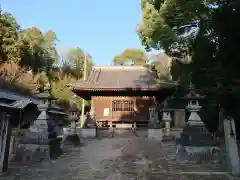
(119, 158)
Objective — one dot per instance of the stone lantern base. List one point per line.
(30, 151)
(88, 132)
(71, 139)
(196, 143)
(40, 143)
(71, 136)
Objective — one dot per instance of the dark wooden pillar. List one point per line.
(5, 137)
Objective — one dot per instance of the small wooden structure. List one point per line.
(14, 113)
(122, 94)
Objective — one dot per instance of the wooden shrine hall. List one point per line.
(122, 93)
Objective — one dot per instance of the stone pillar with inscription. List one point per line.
(72, 137)
(154, 127)
(41, 141)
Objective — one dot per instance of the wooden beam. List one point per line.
(5, 137)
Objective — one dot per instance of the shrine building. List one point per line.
(122, 94)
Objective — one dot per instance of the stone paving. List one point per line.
(119, 158)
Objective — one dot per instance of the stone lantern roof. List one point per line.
(73, 108)
(57, 110)
(192, 95)
(45, 95)
(72, 113)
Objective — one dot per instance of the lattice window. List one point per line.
(121, 105)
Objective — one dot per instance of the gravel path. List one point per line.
(119, 159)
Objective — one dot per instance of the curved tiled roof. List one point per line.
(115, 77)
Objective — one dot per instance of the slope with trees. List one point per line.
(29, 59)
(131, 57)
(158, 63)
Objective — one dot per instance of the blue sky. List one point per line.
(103, 28)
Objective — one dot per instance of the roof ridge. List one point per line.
(121, 67)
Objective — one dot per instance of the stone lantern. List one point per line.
(44, 122)
(195, 139)
(193, 107)
(73, 116)
(167, 118)
(72, 137)
(41, 142)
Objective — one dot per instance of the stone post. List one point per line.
(134, 126)
(111, 128)
(154, 128)
(231, 146)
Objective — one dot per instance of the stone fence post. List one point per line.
(231, 145)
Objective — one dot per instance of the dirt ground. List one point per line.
(119, 158)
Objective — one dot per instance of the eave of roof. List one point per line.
(6, 105)
(21, 104)
(6, 94)
(156, 87)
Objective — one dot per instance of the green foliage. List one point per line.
(131, 57)
(9, 39)
(162, 17)
(38, 50)
(74, 63)
(202, 41)
(162, 64)
(29, 61)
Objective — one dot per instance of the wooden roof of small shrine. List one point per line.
(117, 78)
(12, 96)
(15, 103)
